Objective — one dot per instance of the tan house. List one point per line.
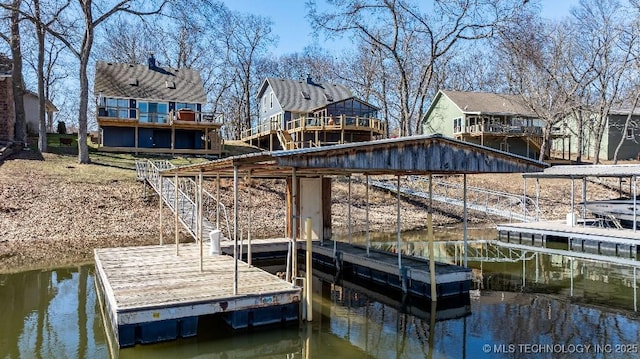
(489, 119)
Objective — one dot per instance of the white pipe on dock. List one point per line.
(235, 229)
(524, 198)
(308, 270)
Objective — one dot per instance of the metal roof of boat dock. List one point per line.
(582, 171)
(398, 156)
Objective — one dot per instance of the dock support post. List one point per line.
(349, 209)
(308, 270)
(635, 290)
(398, 224)
(218, 201)
(366, 191)
(465, 217)
(572, 202)
(294, 223)
(175, 207)
(432, 263)
(635, 202)
(160, 206)
(235, 229)
(537, 199)
(249, 221)
(524, 198)
(200, 215)
(584, 200)
(571, 275)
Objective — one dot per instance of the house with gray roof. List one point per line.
(306, 113)
(153, 109)
(489, 119)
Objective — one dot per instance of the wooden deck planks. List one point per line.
(155, 276)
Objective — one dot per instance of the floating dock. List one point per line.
(150, 294)
(578, 237)
(381, 268)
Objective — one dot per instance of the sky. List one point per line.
(294, 33)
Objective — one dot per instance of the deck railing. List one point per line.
(320, 123)
(132, 114)
(499, 129)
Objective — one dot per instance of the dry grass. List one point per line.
(54, 211)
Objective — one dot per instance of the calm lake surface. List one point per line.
(562, 307)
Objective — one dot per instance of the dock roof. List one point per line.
(582, 171)
(412, 155)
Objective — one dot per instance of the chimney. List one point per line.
(152, 62)
(309, 80)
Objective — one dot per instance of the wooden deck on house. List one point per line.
(151, 294)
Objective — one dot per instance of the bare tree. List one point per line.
(414, 40)
(81, 43)
(17, 81)
(600, 26)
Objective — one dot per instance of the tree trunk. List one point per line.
(87, 43)
(16, 77)
(42, 125)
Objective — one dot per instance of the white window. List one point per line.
(629, 134)
(271, 100)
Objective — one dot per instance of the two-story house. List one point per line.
(299, 114)
(489, 119)
(153, 109)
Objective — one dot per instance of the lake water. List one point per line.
(564, 307)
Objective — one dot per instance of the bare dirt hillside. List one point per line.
(54, 212)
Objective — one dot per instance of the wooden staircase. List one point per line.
(286, 141)
(535, 142)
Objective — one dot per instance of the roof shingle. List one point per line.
(488, 103)
(300, 96)
(116, 79)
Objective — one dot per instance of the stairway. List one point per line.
(286, 141)
(187, 208)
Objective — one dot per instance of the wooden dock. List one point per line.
(152, 295)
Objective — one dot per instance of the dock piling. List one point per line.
(309, 270)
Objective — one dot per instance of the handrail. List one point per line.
(150, 171)
(319, 123)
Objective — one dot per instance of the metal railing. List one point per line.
(491, 202)
(212, 210)
(500, 129)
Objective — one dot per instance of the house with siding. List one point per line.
(153, 109)
(306, 113)
(614, 132)
(31, 103)
(493, 120)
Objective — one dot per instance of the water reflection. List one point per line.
(525, 296)
(50, 314)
